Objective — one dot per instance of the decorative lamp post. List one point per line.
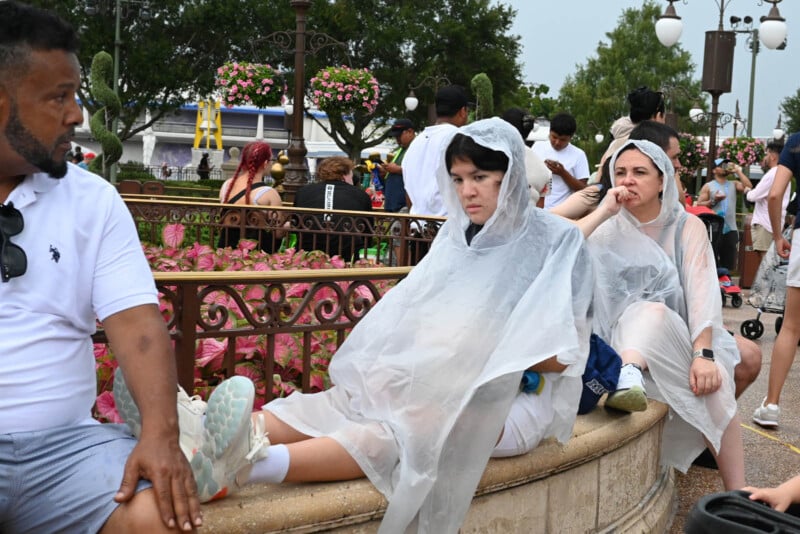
(598, 137)
(411, 101)
(778, 132)
(297, 168)
(718, 56)
(144, 14)
(669, 91)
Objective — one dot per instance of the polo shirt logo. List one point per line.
(55, 255)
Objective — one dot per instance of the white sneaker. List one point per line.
(191, 411)
(232, 440)
(630, 395)
(767, 415)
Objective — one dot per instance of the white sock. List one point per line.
(273, 468)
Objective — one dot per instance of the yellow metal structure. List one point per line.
(209, 123)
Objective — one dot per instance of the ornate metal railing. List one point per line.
(387, 238)
(221, 306)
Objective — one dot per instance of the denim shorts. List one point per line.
(62, 479)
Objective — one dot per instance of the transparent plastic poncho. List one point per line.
(668, 260)
(424, 382)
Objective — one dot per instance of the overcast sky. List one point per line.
(557, 35)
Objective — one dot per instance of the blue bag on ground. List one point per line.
(601, 374)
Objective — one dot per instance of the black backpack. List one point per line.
(733, 512)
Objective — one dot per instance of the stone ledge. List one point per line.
(597, 461)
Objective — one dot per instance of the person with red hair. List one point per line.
(247, 187)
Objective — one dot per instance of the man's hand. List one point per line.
(393, 168)
(162, 462)
(555, 167)
(704, 377)
(782, 246)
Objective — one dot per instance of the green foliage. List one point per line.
(532, 97)
(482, 89)
(102, 73)
(791, 113)
(631, 58)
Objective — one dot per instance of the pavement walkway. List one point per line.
(771, 456)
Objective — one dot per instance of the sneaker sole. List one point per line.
(227, 419)
(126, 407)
(765, 423)
(628, 400)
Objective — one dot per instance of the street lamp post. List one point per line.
(718, 56)
(434, 82)
(305, 42)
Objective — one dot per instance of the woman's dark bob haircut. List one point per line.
(463, 147)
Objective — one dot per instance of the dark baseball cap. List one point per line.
(400, 126)
(450, 99)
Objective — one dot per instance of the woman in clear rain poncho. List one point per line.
(430, 377)
(657, 300)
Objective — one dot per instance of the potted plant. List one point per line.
(743, 151)
(254, 84)
(344, 90)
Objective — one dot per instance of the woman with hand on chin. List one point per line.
(657, 300)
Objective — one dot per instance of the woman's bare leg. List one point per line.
(311, 459)
(730, 458)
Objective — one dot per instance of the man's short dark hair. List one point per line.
(775, 146)
(563, 124)
(655, 132)
(24, 28)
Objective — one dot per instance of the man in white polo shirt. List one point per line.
(69, 254)
(567, 162)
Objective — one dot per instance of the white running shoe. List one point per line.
(630, 395)
(767, 415)
(191, 411)
(232, 440)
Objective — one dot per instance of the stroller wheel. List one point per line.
(752, 329)
(736, 301)
(778, 324)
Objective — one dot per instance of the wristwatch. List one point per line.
(706, 354)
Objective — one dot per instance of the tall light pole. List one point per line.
(718, 56)
(305, 42)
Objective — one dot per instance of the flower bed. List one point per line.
(250, 351)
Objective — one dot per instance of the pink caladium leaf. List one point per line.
(210, 353)
(107, 409)
(172, 235)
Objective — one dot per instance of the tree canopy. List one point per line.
(631, 58)
(171, 58)
(791, 113)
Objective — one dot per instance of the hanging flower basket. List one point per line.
(693, 155)
(743, 151)
(344, 90)
(252, 84)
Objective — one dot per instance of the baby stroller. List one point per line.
(768, 292)
(714, 224)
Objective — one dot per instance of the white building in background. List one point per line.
(170, 140)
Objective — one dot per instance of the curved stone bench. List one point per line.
(605, 479)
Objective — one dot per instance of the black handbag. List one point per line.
(732, 512)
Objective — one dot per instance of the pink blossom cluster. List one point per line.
(693, 154)
(743, 151)
(250, 351)
(345, 89)
(249, 84)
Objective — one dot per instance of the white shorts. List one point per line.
(527, 423)
(793, 271)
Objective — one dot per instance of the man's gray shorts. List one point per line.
(62, 479)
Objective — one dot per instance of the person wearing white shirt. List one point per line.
(567, 162)
(760, 227)
(426, 151)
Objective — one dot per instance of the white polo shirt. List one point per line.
(573, 159)
(84, 261)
